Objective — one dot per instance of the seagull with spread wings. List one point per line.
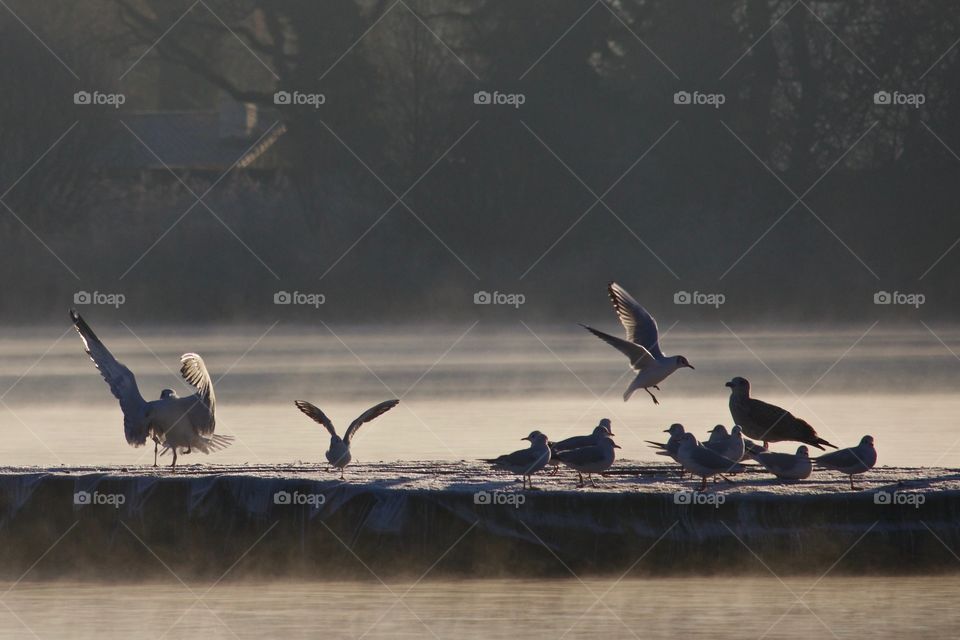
(642, 345)
(338, 455)
(178, 424)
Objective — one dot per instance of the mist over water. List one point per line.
(470, 392)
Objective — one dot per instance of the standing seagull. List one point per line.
(858, 459)
(786, 466)
(768, 422)
(642, 345)
(174, 422)
(526, 462)
(576, 442)
(703, 462)
(595, 458)
(338, 455)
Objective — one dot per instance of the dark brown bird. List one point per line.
(763, 421)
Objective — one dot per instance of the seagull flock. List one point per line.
(181, 425)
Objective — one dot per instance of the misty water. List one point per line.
(474, 390)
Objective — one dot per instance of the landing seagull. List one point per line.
(178, 424)
(338, 455)
(595, 458)
(768, 422)
(601, 430)
(526, 462)
(642, 345)
(852, 461)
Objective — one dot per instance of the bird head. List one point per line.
(739, 384)
(168, 393)
(676, 430)
(803, 452)
(866, 441)
(683, 362)
(605, 423)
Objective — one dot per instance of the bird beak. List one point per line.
(691, 366)
(525, 438)
(728, 384)
(666, 430)
(612, 433)
(616, 446)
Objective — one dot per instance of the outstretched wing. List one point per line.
(316, 415)
(194, 371)
(121, 380)
(640, 326)
(368, 415)
(640, 358)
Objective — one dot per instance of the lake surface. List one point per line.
(708, 608)
(473, 391)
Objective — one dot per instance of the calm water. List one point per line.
(662, 608)
(473, 392)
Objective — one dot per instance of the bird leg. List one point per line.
(156, 445)
(341, 473)
(173, 466)
(656, 387)
(725, 478)
(655, 401)
(579, 480)
(592, 481)
(703, 484)
(556, 470)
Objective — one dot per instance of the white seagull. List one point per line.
(703, 462)
(852, 461)
(786, 466)
(179, 424)
(601, 430)
(525, 462)
(672, 445)
(595, 458)
(642, 345)
(338, 455)
(730, 446)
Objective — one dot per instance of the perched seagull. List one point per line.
(703, 462)
(526, 462)
(673, 444)
(601, 430)
(786, 466)
(179, 424)
(730, 446)
(642, 345)
(852, 461)
(768, 422)
(595, 458)
(338, 455)
(718, 434)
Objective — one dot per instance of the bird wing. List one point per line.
(316, 415)
(841, 459)
(194, 371)
(640, 358)
(776, 462)
(122, 382)
(572, 443)
(779, 424)
(581, 456)
(711, 459)
(640, 326)
(520, 458)
(368, 415)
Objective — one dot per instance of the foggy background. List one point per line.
(814, 166)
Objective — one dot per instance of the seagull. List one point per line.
(338, 455)
(718, 434)
(576, 442)
(595, 458)
(703, 462)
(768, 422)
(672, 445)
(730, 446)
(852, 461)
(642, 345)
(786, 466)
(526, 462)
(179, 424)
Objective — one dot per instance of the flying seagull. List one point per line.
(703, 462)
(178, 424)
(595, 458)
(642, 345)
(786, 466)
(852, 461)
(601, 430)
(526, 462)
(768, 422)
(338, 455)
